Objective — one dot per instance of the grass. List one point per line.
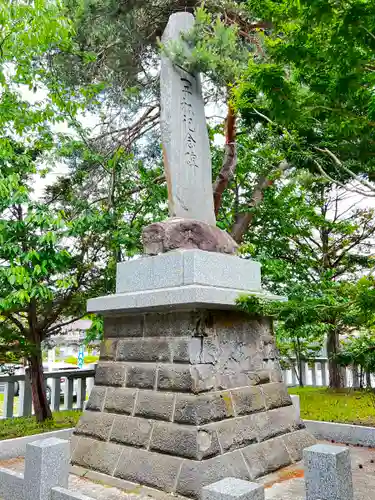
(349, 406)
(27, 426)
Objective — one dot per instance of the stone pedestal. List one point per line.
(188, 389)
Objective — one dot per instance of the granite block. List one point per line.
(108, 349)
(110, 374)
(234, 433)
(46, 466)
(94, 424)
(195, 475)
(131, 431)
(175, 378)
(276, 395)
(184, 441)
(266, 457)
(123, 326)
(328, 473)
(156, 405)
(170, 324)
(12, 485)
(197, 410)
(120, 400)
(96, 398)
(148, 468)
(188, 267)
(141, 375)
(96, 455)
(231, 488)
(182, 297)
(247, 400)
(145, 350)
(272, 423)
(296, 442)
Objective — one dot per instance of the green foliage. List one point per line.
(359, 350)
(346, 406)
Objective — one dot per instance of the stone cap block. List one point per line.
(167, 299)
(327, 450)
(232, 488)
(188, 267)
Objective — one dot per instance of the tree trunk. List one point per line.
(336, 375)
(38, 388)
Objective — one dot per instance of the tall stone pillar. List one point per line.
(188, 389)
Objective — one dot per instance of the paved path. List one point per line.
(286, 484)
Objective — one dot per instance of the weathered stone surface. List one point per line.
(171, 324)
(146, 350)
(120, 400)
(296, 442)
(247, 400)
(276, 395)
(112, 374)
(148, 468)
(123, 326)
(174, 234)
(108, 349)
(234, 433)
(186, 150)
(95, 424)
(195, 350)
(266, 457)
(272, 423)
(96, 399)
(203, 377)
(262, 377)
(175, 378)
(97, 455)
(131, 431)
(231, 488)
(195, 475)
(328, 473)
(142, 376)
(156, 405)
(196, 410)
(184, 441)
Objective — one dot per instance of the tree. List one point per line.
(58, 250)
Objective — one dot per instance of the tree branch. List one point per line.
(230, 159)
(244, 219)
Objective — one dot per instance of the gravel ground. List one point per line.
(286, 484)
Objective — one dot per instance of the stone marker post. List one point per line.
(232, 488)
(186, 148)
(188, 389)
(328, 473)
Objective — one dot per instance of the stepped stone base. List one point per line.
(185, 398)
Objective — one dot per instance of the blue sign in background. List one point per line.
(81, 356)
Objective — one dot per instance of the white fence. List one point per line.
(315, 373)
(66, 389)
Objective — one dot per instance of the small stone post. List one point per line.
(328, 473)
(46, 466)
(232, 488)
(296, 404)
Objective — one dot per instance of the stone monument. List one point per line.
(188, 389)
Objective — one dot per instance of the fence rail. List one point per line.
(315, 373)
(63, 387)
